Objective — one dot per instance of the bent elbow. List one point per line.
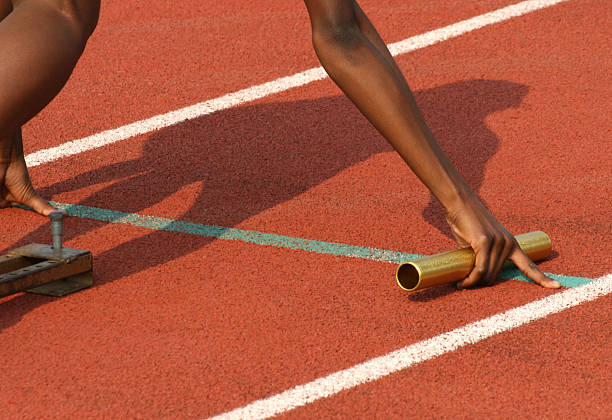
(344, 35)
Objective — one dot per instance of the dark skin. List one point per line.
(41, 41)
(357, 59)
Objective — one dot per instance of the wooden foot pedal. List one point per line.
(45, 269)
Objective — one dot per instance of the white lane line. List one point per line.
(379, 367)
(276, 86)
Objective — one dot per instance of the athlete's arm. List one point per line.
(355, 57)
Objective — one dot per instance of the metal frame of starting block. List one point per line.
(46, 269)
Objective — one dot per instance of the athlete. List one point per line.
(41, 40)
(357, 59)
(40, 43)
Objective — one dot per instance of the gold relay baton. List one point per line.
(452, 266)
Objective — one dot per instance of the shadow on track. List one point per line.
(251, 158)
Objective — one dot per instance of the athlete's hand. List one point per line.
(473, 225)
(15, 184)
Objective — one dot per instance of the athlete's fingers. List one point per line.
(32, 200)
(481, 264)
(39, 205)
(495, 259)
(505, 248)
(529, 268)
(4, 203)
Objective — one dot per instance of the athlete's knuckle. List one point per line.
(483, 240)
(480, 270)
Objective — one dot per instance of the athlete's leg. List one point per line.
(40, 43)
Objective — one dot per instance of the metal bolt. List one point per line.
(57, 228)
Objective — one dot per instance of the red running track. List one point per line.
(183, 326)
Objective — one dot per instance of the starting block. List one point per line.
(46, 269)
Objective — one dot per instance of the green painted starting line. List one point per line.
(280, 241)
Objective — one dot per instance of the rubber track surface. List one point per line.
(182, 326)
